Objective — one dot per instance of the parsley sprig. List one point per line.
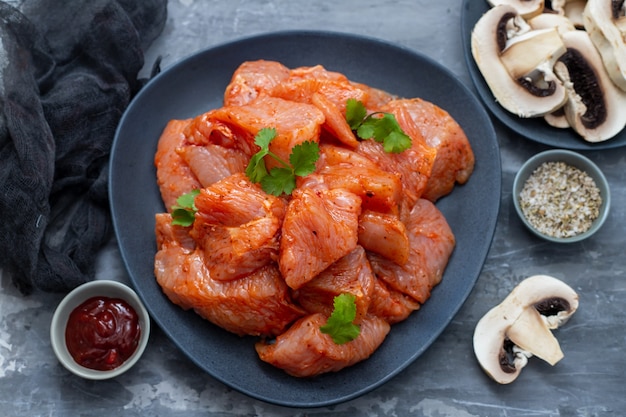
(184, 211)
(340, 324)
(380, 126)
(282, 179)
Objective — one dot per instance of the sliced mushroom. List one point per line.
(517, 63)
(557, 119)
(520, 327)
(571, 9)
(551, 20)
(525, 8)
(595, 106)
(562, 24)
(605, 21)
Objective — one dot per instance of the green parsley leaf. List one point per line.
(303, 158)
(396, 142)
(256, 170)
(380, 126)
(281, 180)
(264, 137)
(184, 211)
(340, 324)
(367, 130)
(256, 167)
(355, 113)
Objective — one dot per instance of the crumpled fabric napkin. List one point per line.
(68, 70)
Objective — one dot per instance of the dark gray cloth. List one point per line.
(68, 70)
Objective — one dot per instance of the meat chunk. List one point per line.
(304, 351)
(237, 226)
(431, 243)
(384, 234)
(454, 162)
(413, 166)
(253, 78)
(257, 304)
(391, 305)
(236, 126)
(319, 228)
(211, 163)
(378, 189)
(174, 176)
(351, 274)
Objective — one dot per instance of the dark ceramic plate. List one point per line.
(196, 85)
(534, 129)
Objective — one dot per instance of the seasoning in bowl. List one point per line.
(560, 200)
(100, 329)
(102, 333)
(561, 196)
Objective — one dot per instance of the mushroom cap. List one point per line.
(535, 93)
(519, 327)
(606, 25)
(595, 105)
(525, 8)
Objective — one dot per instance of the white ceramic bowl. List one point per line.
(103, 288)
(574, 159)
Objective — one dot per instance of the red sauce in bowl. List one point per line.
(102, 333)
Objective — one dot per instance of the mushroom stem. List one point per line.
(531, 334)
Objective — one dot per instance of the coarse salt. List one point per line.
(560, 200)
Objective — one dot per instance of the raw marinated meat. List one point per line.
(305, 351)
(431, 242)
(237, 226)
(319, 229)
(257, 304)
(454, 162)
(351, 274)
(210, 163)
(363, 223)
(174, 176)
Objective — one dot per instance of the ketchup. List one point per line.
(102, 333)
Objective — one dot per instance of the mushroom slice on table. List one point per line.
(517, 62)
(520, 327)
(525, 8)
(605, 21)
(595, 106)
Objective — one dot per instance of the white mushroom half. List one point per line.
(605, 21)
(595, 107)
(520, 327)
(525, 8)
(517, 62)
